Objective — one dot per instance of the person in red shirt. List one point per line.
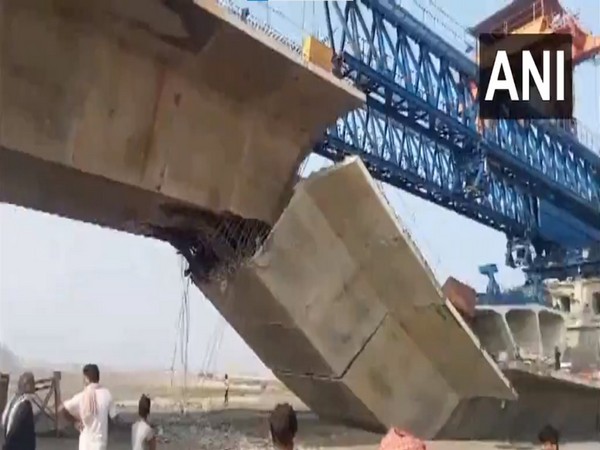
(397, 439)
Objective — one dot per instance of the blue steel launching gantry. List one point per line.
(537, 181)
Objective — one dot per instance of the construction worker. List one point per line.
(283, 425)
(557, 356)
(18, 419)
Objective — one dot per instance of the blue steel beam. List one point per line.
(396, 59)
(418, 163)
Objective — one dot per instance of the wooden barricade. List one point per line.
(47, 398)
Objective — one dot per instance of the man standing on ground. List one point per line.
(226, 397)
(17, 419)
(90, 410)
(557, 356)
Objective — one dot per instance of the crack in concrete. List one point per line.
(348, 366)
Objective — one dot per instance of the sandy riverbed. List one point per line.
(244, 428)
(241, 426)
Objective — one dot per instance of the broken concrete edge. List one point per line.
(405, 233)
(458, 317)
(214, 8)
(566, 379)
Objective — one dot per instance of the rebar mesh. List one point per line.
(215, 245)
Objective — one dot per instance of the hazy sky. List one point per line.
(73, 292)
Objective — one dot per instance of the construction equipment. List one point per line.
(537, 182)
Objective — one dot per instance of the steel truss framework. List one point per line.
(419, 131)
(415, 161)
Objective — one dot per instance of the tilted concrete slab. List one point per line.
(342, 307)
(131, 106)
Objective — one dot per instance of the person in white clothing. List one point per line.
(90, 411)
(142, 434)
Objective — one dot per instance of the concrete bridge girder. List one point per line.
(553, 332)
(493, 332)
(525, 328)
(536, 331)
(105, 100)
(356, 324)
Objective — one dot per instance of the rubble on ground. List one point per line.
(201, 435)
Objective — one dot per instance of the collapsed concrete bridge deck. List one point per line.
(113, 111)
(340, 304)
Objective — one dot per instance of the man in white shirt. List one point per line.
(91, 410)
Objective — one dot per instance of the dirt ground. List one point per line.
(238, 429)
(245, 429)
(241, 426)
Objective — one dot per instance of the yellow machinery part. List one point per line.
(317, 53)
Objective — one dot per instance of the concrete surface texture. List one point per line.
(113, 111)
(342, 307)
(571, 405)
(532, 331)
(580, 302)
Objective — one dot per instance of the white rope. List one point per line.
(182, 336)
(212, 348)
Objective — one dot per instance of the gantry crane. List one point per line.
(419, 131)
(537, 182)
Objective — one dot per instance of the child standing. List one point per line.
(142, 434)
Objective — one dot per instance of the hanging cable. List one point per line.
(212, 347)
(182, 339)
